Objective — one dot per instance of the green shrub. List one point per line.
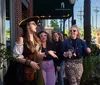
(91, 64)
(4, 55)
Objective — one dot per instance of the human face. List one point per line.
(65, 37)
(43, 37)
(74, 32)
(56, 36)
(32, 26)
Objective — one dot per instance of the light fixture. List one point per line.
(42, 16)
(49, 16)
(72, 1)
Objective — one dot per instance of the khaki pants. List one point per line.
(74, 71)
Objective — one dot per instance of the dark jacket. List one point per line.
(80, 47)
(59, 52)
(49, 46)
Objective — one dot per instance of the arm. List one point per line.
(86, 49)
(60, 54)
(65, 48)
(51, 50)
(18, 51)
(52, 53)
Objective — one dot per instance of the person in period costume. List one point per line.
(27, 51)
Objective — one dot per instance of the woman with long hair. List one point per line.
(48, 68)
(28, 55)
(59, 63)
(74, 50)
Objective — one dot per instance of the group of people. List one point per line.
(42, 57)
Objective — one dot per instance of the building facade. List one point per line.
(13, 11)
(19, 9)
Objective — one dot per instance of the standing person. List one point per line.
(74, 49)
(48, 68)
(59, 63)
(28, 56)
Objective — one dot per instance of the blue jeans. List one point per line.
(60, 74)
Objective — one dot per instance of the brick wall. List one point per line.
(30, 8)
(18, 14)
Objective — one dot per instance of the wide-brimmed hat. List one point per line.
(26, 20)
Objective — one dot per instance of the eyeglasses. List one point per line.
(43, 35)
(73, 30)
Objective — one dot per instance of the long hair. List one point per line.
(61, 36)
(48, 36)
(53, 36)
(32, 44)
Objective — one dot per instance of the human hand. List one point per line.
(74, 54)
(42, 55)
(34, 65)
(68, 53)
(65, 54)
(58, 68)
(88, 50)
(52, 53)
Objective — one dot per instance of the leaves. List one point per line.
(91, 74)
(54, 24)
(4, 55)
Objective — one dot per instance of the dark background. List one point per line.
(47, 7)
